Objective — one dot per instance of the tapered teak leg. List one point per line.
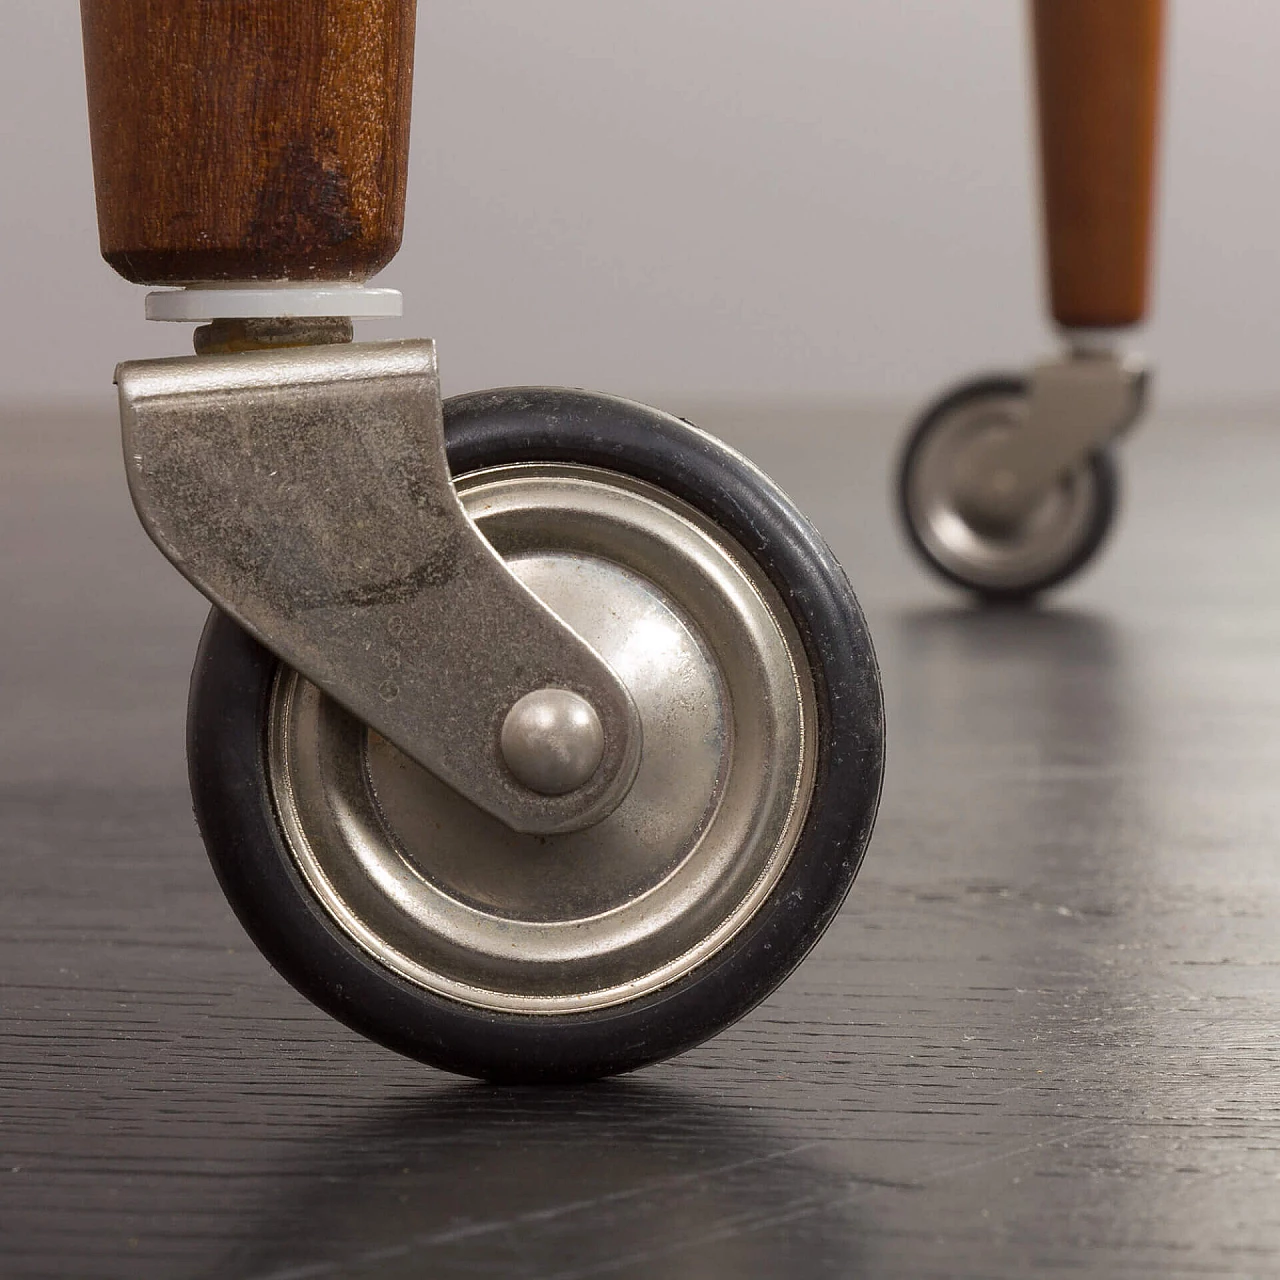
(249, 141)
(1097, 77)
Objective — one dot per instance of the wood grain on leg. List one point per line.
(249, 141)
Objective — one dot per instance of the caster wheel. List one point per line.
(431, 927)
(1048, 546)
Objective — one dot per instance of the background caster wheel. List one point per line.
(1054, 542)
(428, 925)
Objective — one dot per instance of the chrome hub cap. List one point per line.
(453, 900)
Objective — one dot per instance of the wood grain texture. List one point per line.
(1041, 1038)
(249, 141)
(1098, 81)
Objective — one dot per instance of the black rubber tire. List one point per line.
(1105, 480)
(227, 721)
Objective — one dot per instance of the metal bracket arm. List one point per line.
(306, 492)
(1077, 404)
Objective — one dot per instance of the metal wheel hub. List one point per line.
(988, 553)
(455, 901)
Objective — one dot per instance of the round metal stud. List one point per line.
(552, 740)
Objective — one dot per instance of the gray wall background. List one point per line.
(708, 198)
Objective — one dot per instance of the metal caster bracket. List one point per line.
(307, 493)
(1078, 403)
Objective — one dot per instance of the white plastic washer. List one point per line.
(277, 300)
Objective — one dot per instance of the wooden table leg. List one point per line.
(249, 139)
(1097, 78)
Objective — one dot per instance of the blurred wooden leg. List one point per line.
(1097, 79)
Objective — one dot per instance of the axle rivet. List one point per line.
(552, 740)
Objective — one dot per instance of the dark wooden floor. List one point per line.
(1043, 1037)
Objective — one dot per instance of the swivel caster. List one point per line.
(1008, 485)
(432, 927)
(533, 734)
